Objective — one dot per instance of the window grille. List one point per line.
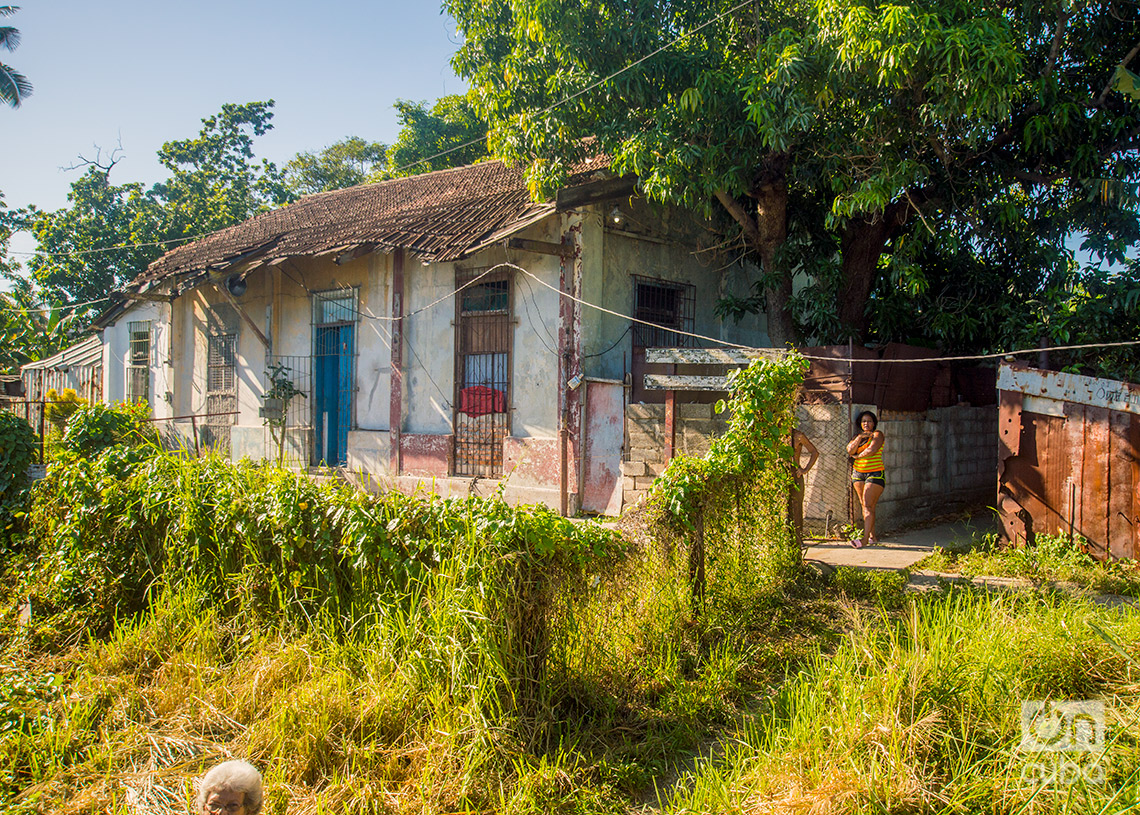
(482, 372)
(671, 307)
(138, 362)
(221, 391)
(288, 428)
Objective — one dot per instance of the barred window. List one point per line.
(138, 362)
(666, 305)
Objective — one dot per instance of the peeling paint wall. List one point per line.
(429, 347)
(657, 242)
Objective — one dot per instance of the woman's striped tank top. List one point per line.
(869, 464)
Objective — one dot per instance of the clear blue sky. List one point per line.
(142, 72)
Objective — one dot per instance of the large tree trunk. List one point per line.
(766, 233)
(772, 220)
(861, 245)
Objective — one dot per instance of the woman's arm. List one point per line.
(877, 439)
(813, 453)
(857, 443)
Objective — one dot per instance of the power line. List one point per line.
(47, 309)
(98, 250)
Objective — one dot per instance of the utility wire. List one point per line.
(46, 309)
(98, 250)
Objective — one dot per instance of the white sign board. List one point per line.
(1062, 387)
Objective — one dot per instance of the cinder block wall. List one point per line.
(644, 458)
(937, 461)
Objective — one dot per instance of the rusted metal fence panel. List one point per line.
(1069, 459)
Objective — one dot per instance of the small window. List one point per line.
(138, 362)
(485, 297)
(667, 306)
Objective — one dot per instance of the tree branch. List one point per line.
(746, 221)
(1058, 37)
(1112, 79)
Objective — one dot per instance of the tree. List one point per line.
(30, 328)
(14, 86)
(346, 163)
(105, 237)
(451, 134)
(109, 233)
(827, 131)
(214, 180)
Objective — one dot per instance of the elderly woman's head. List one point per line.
(231, 788)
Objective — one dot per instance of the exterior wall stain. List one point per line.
(530, 461)
(425, 454)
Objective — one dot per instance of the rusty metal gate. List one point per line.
(1069, 459)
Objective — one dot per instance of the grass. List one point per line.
(439, 693)
(1054, 559)
(920, 713)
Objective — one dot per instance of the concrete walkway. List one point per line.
(900, 550)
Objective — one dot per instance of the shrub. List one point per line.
(94, 428)
(17, 445)
(60, 407)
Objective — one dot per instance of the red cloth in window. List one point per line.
(479, 400)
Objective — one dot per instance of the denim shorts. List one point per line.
(878, 477)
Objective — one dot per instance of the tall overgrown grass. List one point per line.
(390, 653)
(921, 713)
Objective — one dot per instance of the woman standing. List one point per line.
(867, 474)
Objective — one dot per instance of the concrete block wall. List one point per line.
(644, 458)
(936, 461)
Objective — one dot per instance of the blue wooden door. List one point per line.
(333, 393)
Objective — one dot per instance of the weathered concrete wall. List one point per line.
(370, 451)
(936, 461)
(116, 352)
(655, 242)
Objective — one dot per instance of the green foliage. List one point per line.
(109, 233)
(451, 124)
(31, 329)
(927, 703)
(884, 588)
(828, 134)
(761, 417)
(89, 247)
(214, 181)
(14, 86)
(115, 525)
(730, 507)
(17, 447)
(1052, 559)
(346, 163)
(275, 406)
(59, 407)
(93, 429)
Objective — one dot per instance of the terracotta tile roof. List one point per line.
(439, 216)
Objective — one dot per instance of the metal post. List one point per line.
(43, 412)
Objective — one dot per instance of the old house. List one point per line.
(439, 331)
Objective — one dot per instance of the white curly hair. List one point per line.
(233, 776)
